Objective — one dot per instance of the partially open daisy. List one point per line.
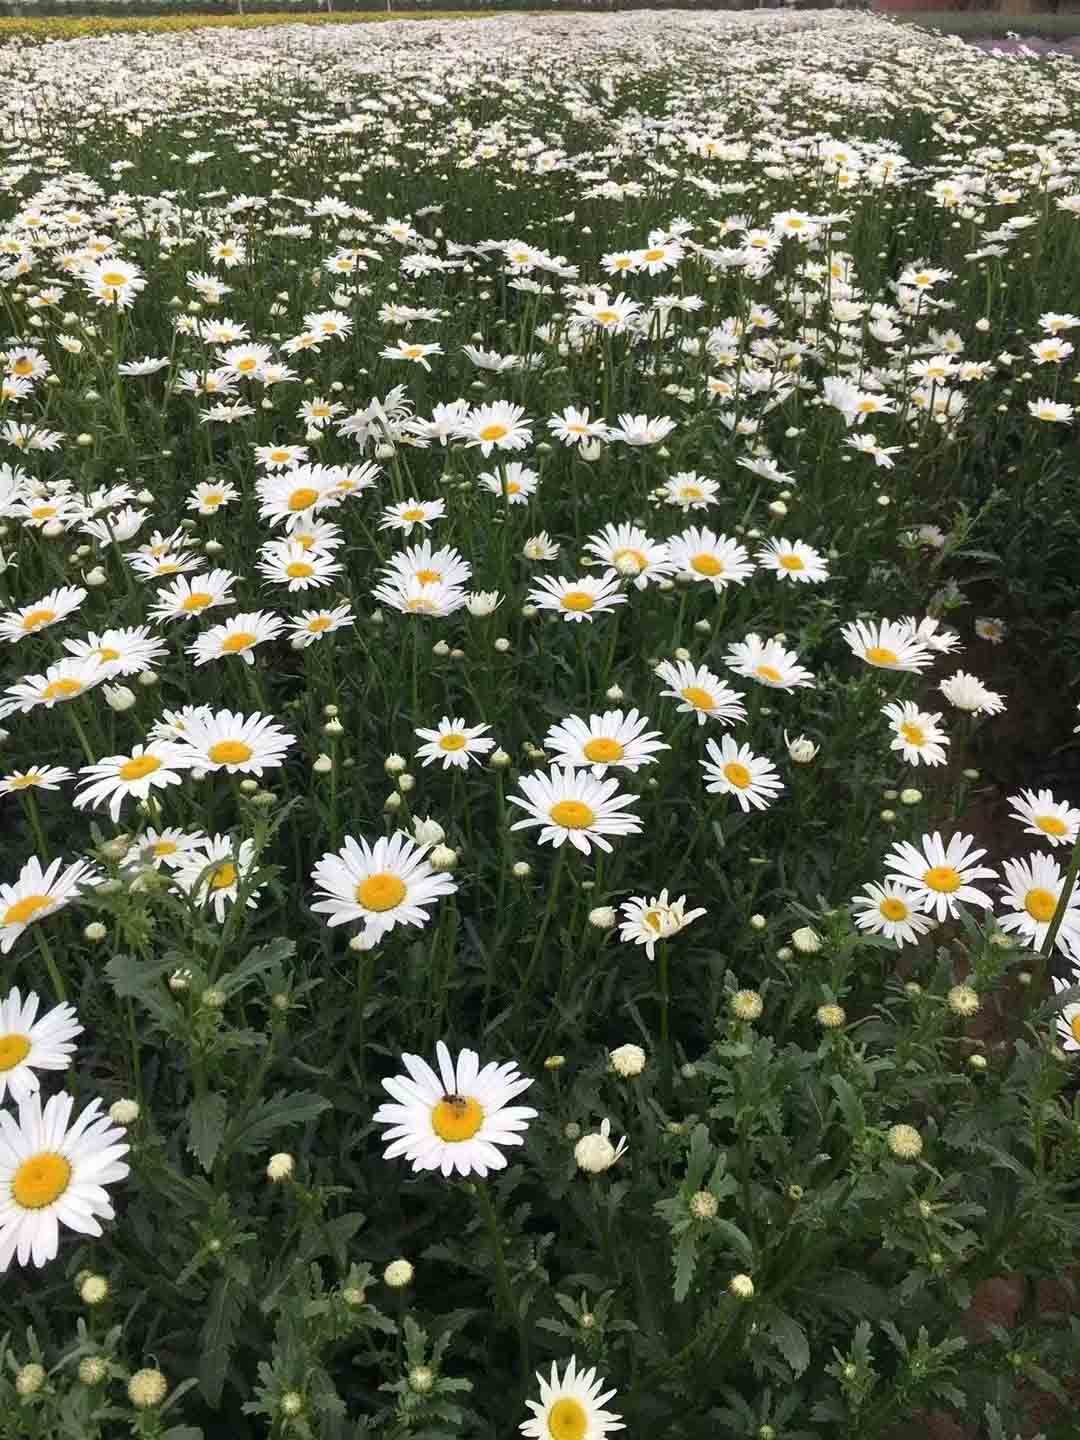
(645, 921)
(382, 885)
(16, 625)
(35, 777)
(700, 692)
(704, 555)
(571, 1408)
(690, 491)
(792, 560)
(312, 625)
(38, 893)
(238, 636)
(1068, 1021)
(767, 662)
(29, 1044)
(940, 875)
(428, 566)
(515, 482)
(916, 734)
(454, 743)
(968, 693)
(456, 1120)
(228, 740)
(213, 871)
(406, 513)
(1054, 821)
(628, 550)
(121, 777)
(1032, 889)
(613, 738)
(169, 847)
(889, 910)
(734, 769)
(887, 645)
(577, 600)
(432, 601)
(54, 1173)
(570, 805)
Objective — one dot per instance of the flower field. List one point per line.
(537, 708)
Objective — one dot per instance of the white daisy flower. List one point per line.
(628, 550)
(383, 885)
(916, 734)
(569, 805)
(413, 597)
(122, 777)
(1054, 821)
(968, 693)
(500, 426)
(191, 597)
(1033, 889)
(887, 645)
(577, 600)
(238, 636)
(571, 1408)
(1068, 1021)
(66, 680)
(16, 625)
(889, 910)
(454, 743)
(704, 555)
(38, 893)
(700, 692)
(767, 662)
(404, 514)
(228, 740)
(613, 738)
(734, 769)
(169, 847)
(514, 482)
(427, 566)
(939, 876)
(29, 1044)
(285, 562)
(792, 560)
(647, 921)
(213, 871)
(312, 625)
(123, 652)
(36, 777)
(690, 491)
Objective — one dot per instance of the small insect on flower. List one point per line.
(571, 1408)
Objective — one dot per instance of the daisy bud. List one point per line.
(746, 1005)
(977, 1062)
(249, 787)
(406, 783)
(147, 679)
(590, 450)
(627, 1060)
(280, 1167)
(124, 1112)
(179, 981)
(53, 530)
(910, 797)
(529, 612)
(353, 1295)
(499, 759)
(29, 1379)
(571, 1130)
(94, 932)
(428, 832)
(333, 728)
(392, 801)
(801, 750)
(741, 1286)
(905, 1142)
(806, 940)
(830, 1017)
(521, 870)
(595, 1153)
(758, 922)
(84, 439)
(443, 858)
(118, 697)
(682, 653)
(602, 918)
(93, 1370)
(385, 451)
(398, 1274)
(703, 627)
(502, 645)
(440, 648)
(421, 1379)
(888, 816)
(361, 943)
(213, 999)
(147, 1388)
(95, 578)
(292, 1403)
(963, 1000)
(777, 507)
(982, 324)
(704, 1205)
(323, 765)
(394, 764)
(970, 774)
(213, 547)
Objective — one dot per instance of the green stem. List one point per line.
(59, 988)
(34, 816)
(1063, 902)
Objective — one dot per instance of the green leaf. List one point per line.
(850, 1104)
(734, 1238)
(207, 1118)
(183, 1432)
(685, 1264)
(700, 1155)
(790, 1339)
(268, 1116)
(258, 962)
(218, 1334)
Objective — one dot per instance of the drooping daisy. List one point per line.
(123, 652)
(930, 632)
(16, 625)
(35, 777)
(647, 921)
(238, 636)
(29, 1044)
(889, 910)
(569, 805)
(792, 560)
(429, 566)
(940, 875)
(767, 662)
(454, 743)
(383, 885)
(456, 1120)
(413, 597)
(704, 555)
(404, 514)
(1054, 821)
(515, 482)
(573, 426)
(38, 893)
(887, 645)
(228, 740)
(577, 600)
(66, 680)
(1068, 1021)
(500, 426)
(121, 777)
(284, 562)
(628, 550)
(916, 734)
(642, 430)
(690, 491)
(54, 1173)
(701, 692)
(184, 597)
(734, 769)
(967, 692)
(171, 562)
(571, 1408)
(1033, 889)
(613, 738)
(213, 871)
(312, 625)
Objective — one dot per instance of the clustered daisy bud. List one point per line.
(280, 1167)
(421, 1379)
(398, 1274)
(746, 1005)
(806, 940)
(602, 918)
(394, 764)
(92, 1370)
(627, 1060)
(614, 693)
(831, 1016)
(29, 1379)
(594, 1153)
(905, 1142)
(801, 750)
(124, 1112)
(742, 1287)
(963, 1000)
(292, 1402)
(147, 1388)
(704, 1205)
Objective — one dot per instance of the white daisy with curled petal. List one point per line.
(382, 885)
(29, 1043)
(128, 651)
(733, 769)
(454, 743)
(1055, 821)
(767, 662)
(38, 893)
(577, 600)
(414, 597)
(66, 680)
(571, 1408)
(701, 692)
(940, 875)
(612, 738)
(285, 562)
(647, 921)
(457, 1120)
(311, 625)
(887, 645)
(1032, 890)
(228, 740)
(890, 911)
(570, 805)
(628, 550)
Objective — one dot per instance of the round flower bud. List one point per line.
(602, 918)
(29, 1379)
(421, 1379)
(758, 922)
(441, 649)
(741, 1286)
(406, 783)
(322, 765)
(92, 1370)
(124, 1112)
(970, 774)
(83, 438)
(147, 679)
(982, 324)
(801, 750)
(594, 1153)
(704, 1205)
(94, 932)
(977, 1062)
(428, 832)
(292, 1402)
(571, 1130)
(392, 801)
(353, 1295)
(362, 942)
(179, 981)
(249, 786)
(806, 940)
(554, 1062)
(95, 578)
(394, 764)
(963, 1000)
(746, 1005)
(443, 858)
(118, 697)
(831, 1017)
(785, 953)
(888, 816)
(214, 999)
(910, 797)
(280, 1167)
(398, 1274)
(614, 693)
(627, 1060)
(93, 1289)
(333, 728)
(147, 1388)
(905, 1142)
(521, 870)
(499, 759)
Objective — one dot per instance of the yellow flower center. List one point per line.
(139, 767)
(23, 782)
(1051, 824)
(893, 909)
(942, 878)
(412, 352)
(494, 431)
(654, 919)
(238, 640)
(246, 365)
(572, 814)
(880, 655)
(453, 742)
(114, 278)
(61, 689)
(223, 876)
(602, 751)
(161, 848)
(792, 562)
(913, 734)
(513, 487)
(414, 513)
(737, 775)
(568, 1420)
(866, 406)
(43, 512)
(1040, 905)
(456, 1118)
(23, 367)
(230, 752)
(106, 654)
(706, 564)
(213, 498)
(699, 698)
(578, 600)
(653, 255)
(692, 492)
(197, 600)
(422, 604)
(770, 673)
(24, 910)
(40, 1180)
(606, 317)
(429, 577)
(303, 498)
(639, 559)
(37, 618)
(381, 891)
(299, 570)
(13, 1051)
(319, 624)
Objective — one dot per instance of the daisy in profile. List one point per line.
(570, 1408)
(238, 636)
(704, 555)
(887, 645)
(66, 680)
(628, 550)
(689, 491)
(734, 769)
(613, 738)
(456, 1120)
(123, 652)
(968, 693)
(916, 734)
(213, 871)
(16, 625)
(454, 743)
(573, 426)
(577, 600)
(412, 350)
(500, 426)
(207, 498)
(191, 597)
(122, 777)
(767, 662)
(404, 514)
(569, 805)
(382, 885)
(939, 875)
(36, 777)
(540, 547)
(428, 566)
(54, 1173)
(413, 597)
(287, 563)
(889, 910)
(930, 632)
(1068, 1021)
(228, 740)
(514, 482)
(647, 921)
(38, 893)
(1051, 820)
(642, 430)
(700, 692)
(29, 1044)
(312, 625)
(792, 560)
(1032, 890)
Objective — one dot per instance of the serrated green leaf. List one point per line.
(277, 1113)
(850, 1104)
(685, 1264)
(789, 1337)
(217, 1338)
(258, 962)
(207, 1118)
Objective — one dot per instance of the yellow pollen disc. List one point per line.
(513, 488)
(113, 278)
(577, 600)
(607, 317)
(240, 640)
(61, 689)
(381, 891)
(306, 542)
(106, 654)
(654, 920)
(415, 513)
(247, 364)
(412, 352)
(737, 775)
(568, 1420)
(893, 909)
(1051, 824)
(197, 600)
(140, 767)
(299, 570)
(23, 782)
(1040, 905)
(494, 431)
(792, 562)
(692, 492)
(40, 1180)
(13, 1051)
(319, 624)
(161, 848)
(230, 752)
(215, 497)
(37, 618)
(452, 742)
(420, 603)
(769, 672)
(223, 876)
(866, 406)
(24, 910)
(879, 655)
(653, 255)
(23, 367)
(429, 577)
(169, 569)
(303, 498)
(43, 512)
(572, 815)
(639, 559)
(706, 564)
(456, 1118)
(699, 698)
(602, 751)
(914, 734)
(942, 878)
